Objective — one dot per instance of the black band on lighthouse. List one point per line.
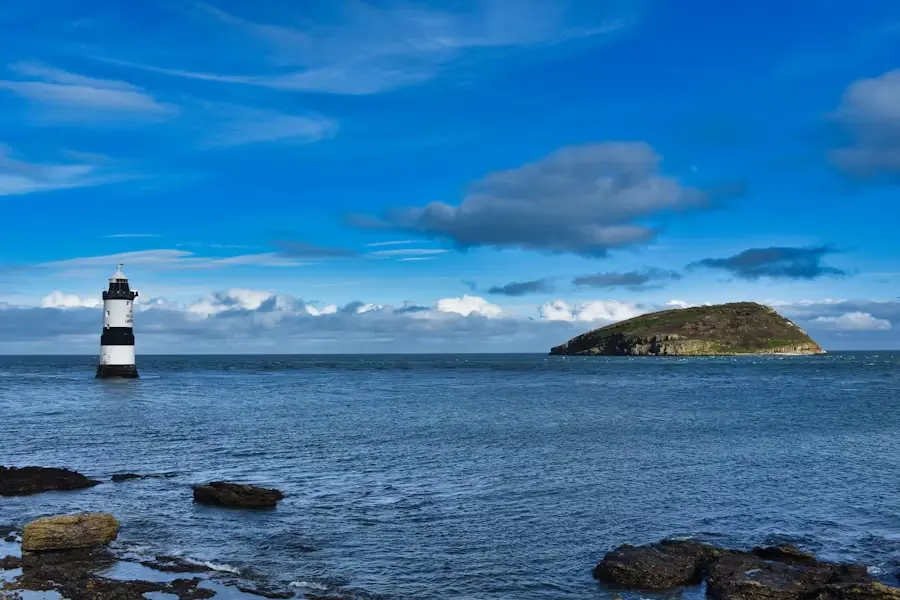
(117, 336)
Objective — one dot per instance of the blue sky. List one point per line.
(453, 175)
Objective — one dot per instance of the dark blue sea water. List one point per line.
(469, 476)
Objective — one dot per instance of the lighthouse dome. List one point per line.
(118, 275)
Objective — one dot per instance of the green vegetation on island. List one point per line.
(723, 329)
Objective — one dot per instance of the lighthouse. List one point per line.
(117, 340)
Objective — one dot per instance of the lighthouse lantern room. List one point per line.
(117, 339)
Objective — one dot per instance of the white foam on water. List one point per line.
(312, 585)
(875, 571)
(220, 567)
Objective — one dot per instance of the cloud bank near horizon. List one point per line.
(253, 321)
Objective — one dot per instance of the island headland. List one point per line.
(716, 330)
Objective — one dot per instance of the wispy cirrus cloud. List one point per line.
(237, 126)
(67, 96)
(358, 48)
(172, 259)
(132, 235)
(19, 177)
(407, 252)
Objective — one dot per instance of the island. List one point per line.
(717, 330)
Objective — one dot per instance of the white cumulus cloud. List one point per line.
(469, 305)
(592, 310)
(854, 321)
(57, 299)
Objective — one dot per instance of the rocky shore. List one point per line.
(71, 555)
(782, 572)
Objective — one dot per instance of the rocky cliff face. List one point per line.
(724, 329)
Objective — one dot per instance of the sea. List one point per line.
(467, 476)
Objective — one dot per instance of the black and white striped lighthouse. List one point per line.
(117, 340)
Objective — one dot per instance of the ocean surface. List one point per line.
(468, 477)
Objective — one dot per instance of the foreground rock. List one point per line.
(34, 480)
(664, 565)
(68, 532)
(724, 329)
(236, 495)
(773, 573)
(73, 575)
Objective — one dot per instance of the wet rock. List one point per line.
(236, 495)
(174, 564)
(664, 565)
(34, 480)
(10, 562)
(67, 532)
(745, 576)
(787, 553)
(855, 591)
(73, 574)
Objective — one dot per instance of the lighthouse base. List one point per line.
(117, 372)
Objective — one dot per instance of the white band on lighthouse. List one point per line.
(117, 339)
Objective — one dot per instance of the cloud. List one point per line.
(57, 299)
(581, 199)
(259, 321)
(775, 262)
(18, 177)
(132, 235)
(593, 310)
(870, 116)
(407, 252)
(469, 305)
(855, 321)
(172, 259)
(75, 97)
(391, 243)
(298, 249)
(243, 320)
(236, 126)
(359, 48)
(522, 288)
(632, 279)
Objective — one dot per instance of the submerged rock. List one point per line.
(787, 553)
(236, 495)
(667, 564)
(120, 477)
(34, 480)
(67, 532)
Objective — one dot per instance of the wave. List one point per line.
(309, 585)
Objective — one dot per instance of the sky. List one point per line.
(445, 175)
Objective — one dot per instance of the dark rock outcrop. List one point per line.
(782, 572)
(739, 576)
(74, 575)
(236, 495)
(724, 329)
(34, 480)
(10, 562)
(68, 532)
(667, 564)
